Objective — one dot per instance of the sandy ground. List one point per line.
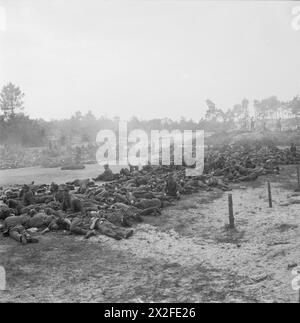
(185, 255)
(43, 175)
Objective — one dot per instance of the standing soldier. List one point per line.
(78, 156)
(293, 151)
(264, 125)
(252, 124)
(279, 124)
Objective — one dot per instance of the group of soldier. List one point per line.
(246, 163)
(81, 207)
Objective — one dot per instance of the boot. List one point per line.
(23, 239)
(90, 234)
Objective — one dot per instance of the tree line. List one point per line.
(18, 128)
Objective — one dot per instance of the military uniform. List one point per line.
(109, 229)
(15, 227)
(106, 176)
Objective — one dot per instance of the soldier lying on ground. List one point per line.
(109, 229)
(149, 206)
(49, 220)
(214, 181)
(77, 228)
(15, 227)
(130, 213)
(15, 205)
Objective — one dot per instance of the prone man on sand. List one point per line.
(16, 228)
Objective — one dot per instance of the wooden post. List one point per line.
(230, 207)
(298, 179)
(270, 194)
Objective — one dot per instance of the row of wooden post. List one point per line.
(230, 206)
(298, 179)
(230, 203)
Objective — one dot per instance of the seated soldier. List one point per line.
(54, 190)
(141, 180)
(70, 202)
(125, 172)
(106, 176)
(59, 194)
(171, 189)
(15, 205)
(249, 163)
(133, 169)
(27, 196)
(5, 211)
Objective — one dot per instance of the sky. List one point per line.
(151, 59)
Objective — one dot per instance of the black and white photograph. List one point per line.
(149, 154)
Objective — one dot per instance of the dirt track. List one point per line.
(43, 175)
(186, 255)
